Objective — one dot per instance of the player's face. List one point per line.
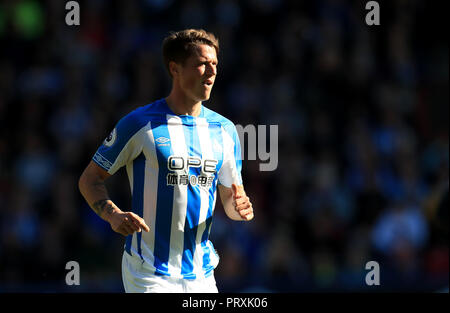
(198, 73)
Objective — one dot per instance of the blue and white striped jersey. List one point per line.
(174, 163)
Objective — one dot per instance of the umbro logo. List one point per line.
(162, 140)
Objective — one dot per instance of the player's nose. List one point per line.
(211, 70)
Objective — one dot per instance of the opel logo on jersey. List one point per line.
(109, 141)
(182, 163)
(178, 163)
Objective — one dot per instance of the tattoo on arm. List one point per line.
(102, 205)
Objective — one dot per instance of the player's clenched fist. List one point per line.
(242, 203)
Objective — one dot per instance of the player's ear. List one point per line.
(174, 68)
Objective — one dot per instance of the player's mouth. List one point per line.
(208, 83)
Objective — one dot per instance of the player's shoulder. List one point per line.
(228, 128)
(146, 113)
(140, 117)
(214, 117)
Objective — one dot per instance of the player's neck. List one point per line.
(182, 105)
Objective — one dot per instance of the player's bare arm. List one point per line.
(236, 203)
(92, 187)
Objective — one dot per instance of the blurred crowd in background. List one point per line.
(362, 114)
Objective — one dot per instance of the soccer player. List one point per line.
(177, 153)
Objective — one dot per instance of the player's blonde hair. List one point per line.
(179, 46)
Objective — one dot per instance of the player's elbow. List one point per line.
(91, 177)
(86, 180)
(82, 182)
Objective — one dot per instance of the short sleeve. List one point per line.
(121, 146)
(230, 172)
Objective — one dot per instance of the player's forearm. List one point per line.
(94, 191)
